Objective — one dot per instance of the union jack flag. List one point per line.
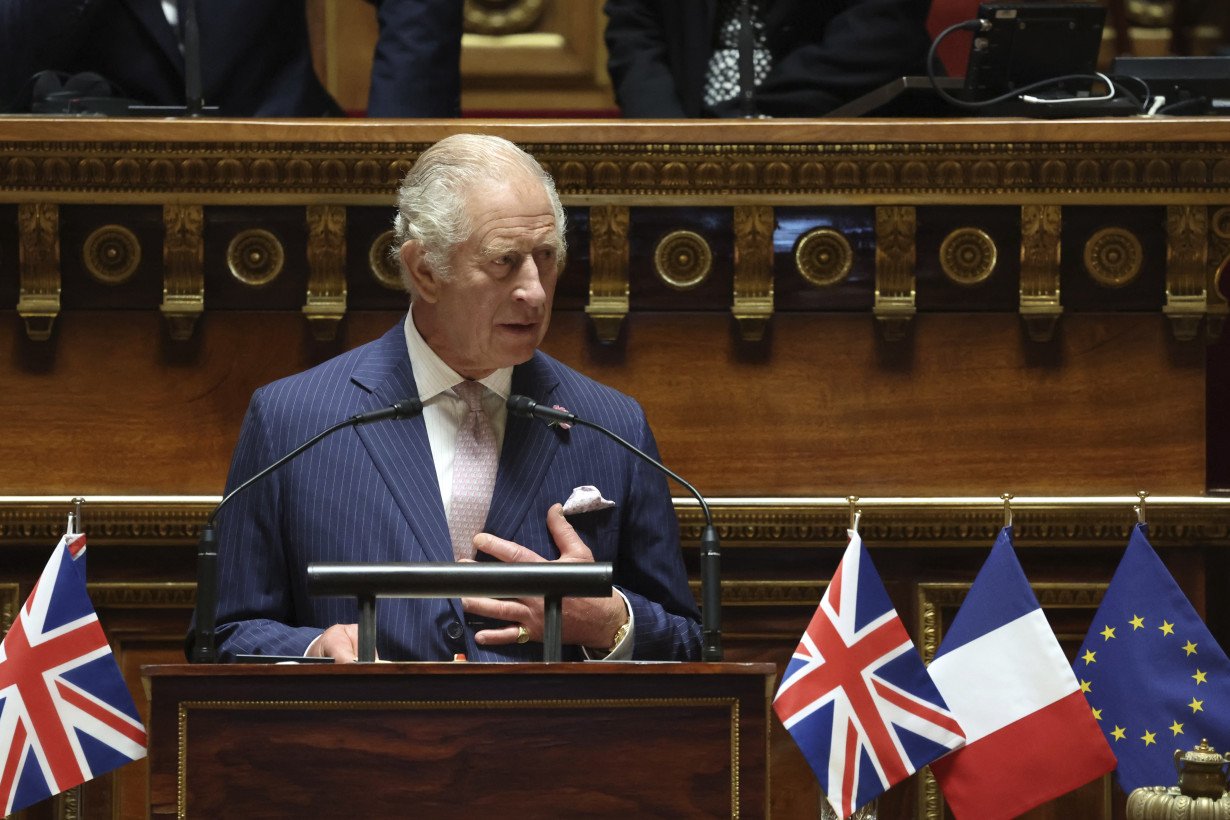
(65, 714)
(856, 697)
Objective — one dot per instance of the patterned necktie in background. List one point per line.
(474, 466)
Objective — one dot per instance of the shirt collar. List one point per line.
(433, 377)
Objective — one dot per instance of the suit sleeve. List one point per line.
(36, 35)
(255, 590)
(650, 571)
(638, 61)
(416, 69)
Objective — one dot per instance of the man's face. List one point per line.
(494, 309)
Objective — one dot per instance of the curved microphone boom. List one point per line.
(710, 550)
(204, 649)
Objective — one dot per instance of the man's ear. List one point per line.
(423, 279)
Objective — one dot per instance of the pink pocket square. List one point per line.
(586, 499)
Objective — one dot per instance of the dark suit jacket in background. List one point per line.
(256, 57)
(371, 494)
(826, 53)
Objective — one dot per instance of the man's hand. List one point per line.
(590, 622)
(340, 642)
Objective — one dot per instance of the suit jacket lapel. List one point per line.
(150, 13)
(529, 447)
(400, 448)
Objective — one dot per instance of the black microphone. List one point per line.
(710, 550)
(204, 649)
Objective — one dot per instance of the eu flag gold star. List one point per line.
(1086, 687)
(1137, 622)
(1149, 738)
(1196, 706)
(1119, 734)
(1189, 648)
(1097, 714)
(1089, 657)
(1167, 628)
(1176, 727)
(1108, 633)
(1200, 677)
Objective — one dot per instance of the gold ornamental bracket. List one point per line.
(38, 227)
(326, 254)
(1040, 307)
(1218, 281)
(183, 259)
(608, 277)
(752, 305)
(896, 256)
(1187, 243)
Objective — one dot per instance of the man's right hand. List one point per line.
(340, 642)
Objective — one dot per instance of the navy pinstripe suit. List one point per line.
(371, 494)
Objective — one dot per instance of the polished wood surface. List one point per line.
(453, 740)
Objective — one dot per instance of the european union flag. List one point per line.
(1156, 679)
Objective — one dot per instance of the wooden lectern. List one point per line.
(460, 740)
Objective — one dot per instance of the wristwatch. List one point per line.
(620, 634)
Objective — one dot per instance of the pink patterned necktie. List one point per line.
(474, 466)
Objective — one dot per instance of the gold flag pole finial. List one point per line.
(1141, 514)
(855, 512)
(74, 517)
(1007, 497)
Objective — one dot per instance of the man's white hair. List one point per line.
(431, 203)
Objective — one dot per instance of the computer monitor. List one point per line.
(1023, 43)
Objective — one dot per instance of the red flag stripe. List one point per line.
(17, 750)
(922, 710)
(111, 719)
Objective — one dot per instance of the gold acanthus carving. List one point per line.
(608, 278)
(368, 173)
(38, 248)
(1187, 247)
(183, 259)
(1040, 305)
(752, 306)
(896, 257)
(9, 601)
(325, 303)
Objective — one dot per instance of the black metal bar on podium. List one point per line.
(549, 580)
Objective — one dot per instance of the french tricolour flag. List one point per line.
(1030, 734)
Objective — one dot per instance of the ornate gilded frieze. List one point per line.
(1040, 256)
(1187, 244)
(895, 260)
(608, 276)
(325, 304)
(183, 277)
(38, 227)
(752, 305)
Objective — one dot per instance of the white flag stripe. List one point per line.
(1002, 676)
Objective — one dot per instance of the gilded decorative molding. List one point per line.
(968, 256)
(501, 17)
(1040, 308)
(354, 169)
(1113, 257)
(183, 259)
(1187, 244)
(753, 289)
(682, 259)
(380, 262)
(38, 240)
(142, 595)
(111, 254)
(326, 254)
(823, 256)
(768, 593)
(896, 257)
(1219, 261)
(608, 263)
(255, 257)
(10, 600)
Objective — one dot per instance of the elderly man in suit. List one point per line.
(480, 233)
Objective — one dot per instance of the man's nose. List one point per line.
(530, 288)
